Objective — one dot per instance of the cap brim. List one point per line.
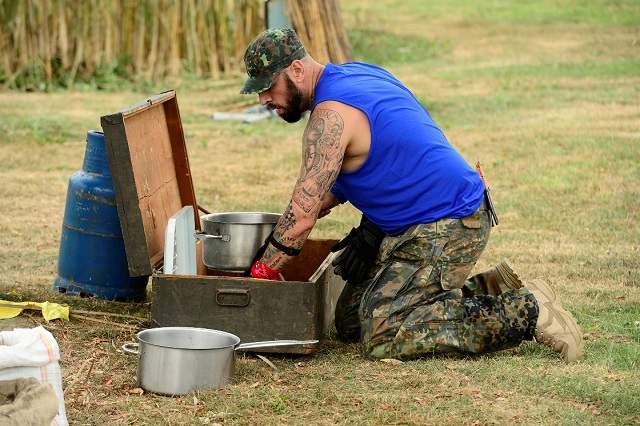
(256, 85)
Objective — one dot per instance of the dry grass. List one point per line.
(547, 100)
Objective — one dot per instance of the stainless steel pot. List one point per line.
(231, 239)
(178, 360)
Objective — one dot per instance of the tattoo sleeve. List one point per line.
(321, 162)
(322, 159)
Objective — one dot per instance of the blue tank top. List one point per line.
(412, 174)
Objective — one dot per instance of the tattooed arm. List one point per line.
(324, 144)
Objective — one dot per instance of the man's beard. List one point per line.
(296, 104)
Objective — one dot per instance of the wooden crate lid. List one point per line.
(151, 175)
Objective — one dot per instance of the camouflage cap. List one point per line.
(271, 52)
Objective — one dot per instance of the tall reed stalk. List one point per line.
(319, 25)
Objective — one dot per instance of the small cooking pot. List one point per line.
(178, 360)
(232, 239)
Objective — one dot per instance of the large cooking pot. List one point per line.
(232, 239)
(178, 360)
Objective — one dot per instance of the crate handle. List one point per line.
(237, 297)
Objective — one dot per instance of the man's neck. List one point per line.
(316, 73)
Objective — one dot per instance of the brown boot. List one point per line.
(496, 280)
(556, 327)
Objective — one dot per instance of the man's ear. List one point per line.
(297, 70)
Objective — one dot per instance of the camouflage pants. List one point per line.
(417, 299)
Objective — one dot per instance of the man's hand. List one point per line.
(264, 272)
(360, 251)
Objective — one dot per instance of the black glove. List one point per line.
(360, 251)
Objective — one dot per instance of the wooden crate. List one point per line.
(152, 181)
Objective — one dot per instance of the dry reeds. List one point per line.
(319, 25)
(65, 40)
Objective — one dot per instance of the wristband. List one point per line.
(262, 271)
(289, 251)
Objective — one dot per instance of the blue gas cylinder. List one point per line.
(92, 259)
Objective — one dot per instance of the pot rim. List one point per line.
(235, 338)
(212, 216)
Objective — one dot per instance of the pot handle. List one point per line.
(273, 343)
(131, 348)
(202, 236)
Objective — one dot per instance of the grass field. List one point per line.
(546, 94)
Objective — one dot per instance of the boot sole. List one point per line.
(509, 277)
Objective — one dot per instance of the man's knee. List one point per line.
(379, 350)
(378, 337)
(416, 335)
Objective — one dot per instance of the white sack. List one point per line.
(33, 352)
